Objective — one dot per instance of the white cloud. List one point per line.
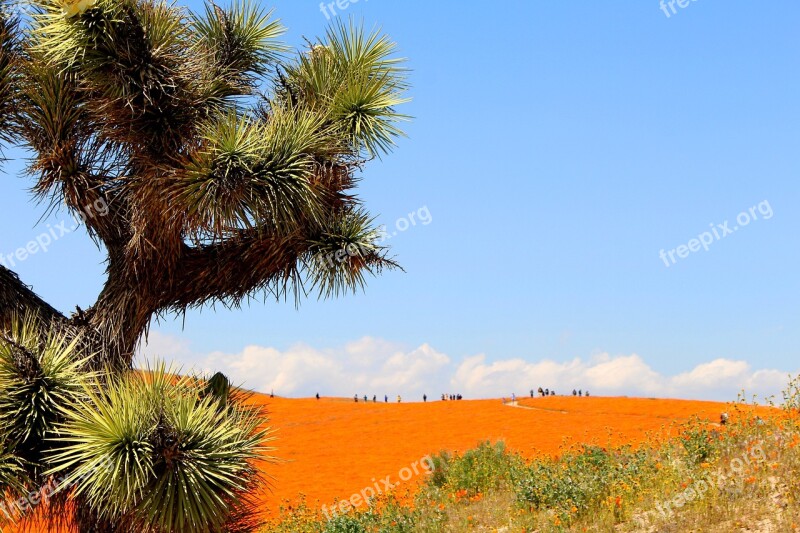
(377, 366)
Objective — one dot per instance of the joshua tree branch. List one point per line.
(231, 270)
(16, 298)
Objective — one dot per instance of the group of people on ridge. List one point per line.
(547, 392)
(374, 398)
(365, 398)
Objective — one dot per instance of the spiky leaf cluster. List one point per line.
(354, 80)
(40, 378)
(153, 452)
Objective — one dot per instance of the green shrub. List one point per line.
(697, 442)
(345, 524)
(487, 467)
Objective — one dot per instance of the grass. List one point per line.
(705, 477)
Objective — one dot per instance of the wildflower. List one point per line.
(72, 8)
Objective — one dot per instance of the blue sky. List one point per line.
(558, 147)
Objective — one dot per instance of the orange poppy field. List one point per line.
(330, 449)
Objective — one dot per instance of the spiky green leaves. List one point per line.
(254, 173)
(354, 78)
(39, 380)
(241, 41)
(12, 474)
(344, 252)
(135, 62)
(154, 452)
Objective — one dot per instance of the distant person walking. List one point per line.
(386, 398)
(425, 398)
(374, 398)
(513, 398)
(317, 396)
(399, 399)
(355, 398)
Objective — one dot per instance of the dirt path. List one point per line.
(518, 406)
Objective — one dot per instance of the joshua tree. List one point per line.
(209, 163)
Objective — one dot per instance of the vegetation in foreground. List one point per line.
(737, 477)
